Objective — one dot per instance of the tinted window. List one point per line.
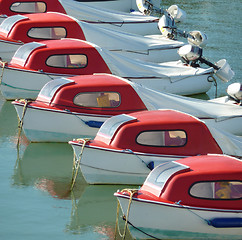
(28, 7)
(217, 190)
(67, 61)
(167, 138)
(47, 32)
(98, 99)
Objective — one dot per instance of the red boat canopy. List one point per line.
(13, 7)
(101, 94)
(63, 56)
(213, 181)
(40, 26)
(159, 132)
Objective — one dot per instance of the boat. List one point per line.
(36, 63)
(19, 29)
(126, 6)
(78, 106)
(134, 22)
(128, 146)
(13, 7)
(198, 197)
(127, 21)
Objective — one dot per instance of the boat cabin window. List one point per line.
(98, 99)
(166, 138)
(9, 22)
(67, 61)
(111, 125)
(21, 55)
(217, 190)
(52, 87)
(28, 7)
(47, 32)
(162, 173)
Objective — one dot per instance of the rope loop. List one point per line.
(77, 161)
(131, 193)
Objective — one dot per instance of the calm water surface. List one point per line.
(35, 200)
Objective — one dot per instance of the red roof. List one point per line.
(63, 99)
(204, 168)
(38, 57)
(51, 5)
(50, 19)
(199, 138)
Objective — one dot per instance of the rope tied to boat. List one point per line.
(20, 120)
(131, 193)
(77, 161)
(211, 78)
(3, 63)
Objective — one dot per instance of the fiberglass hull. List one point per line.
(105, 166)
(174, 221)
(46, 125)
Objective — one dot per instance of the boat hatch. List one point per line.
(21, 55)
(111, 125)
(50, 88)
(9, 22)
(161, 174)
(28, 7)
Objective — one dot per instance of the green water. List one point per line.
(35, 201)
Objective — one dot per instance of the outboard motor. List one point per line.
(148, 6)
(168, 29)
(193, 54)
(234, 91)
(176, 13)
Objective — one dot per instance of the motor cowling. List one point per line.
(234, 90)
(177, 14)
(167, 26)
(197, 38)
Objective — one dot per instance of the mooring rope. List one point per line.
(215, 84)
(20, 120)
(3, 67)
(131, 194)
(76, 162)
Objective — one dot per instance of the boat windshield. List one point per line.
(21, 55)
(9, 22)
(161, 174)
(111, 125)
(50, 88)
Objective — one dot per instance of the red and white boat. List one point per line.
(59, 98)
(76, 107)
(19, 29)
(127, 147)
(36, 63)
(94, 13)
(192, 198)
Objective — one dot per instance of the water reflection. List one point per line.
(96, 209)
(48, 167)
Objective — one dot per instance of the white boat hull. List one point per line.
(103, 166)
(7, 49)
(18, 83)
(27, 84)
(42, 125)
(189, 85)
(174, 221)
